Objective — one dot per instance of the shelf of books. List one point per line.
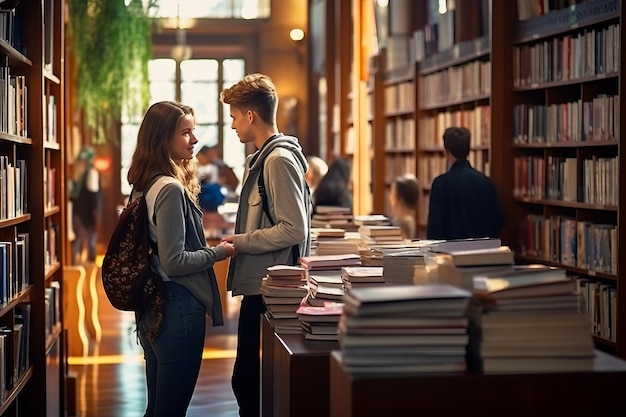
(566, 162)
(454, 90)
(400, 107)
(31, 209)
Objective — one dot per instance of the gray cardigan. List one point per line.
(258, 243)
(184, 257)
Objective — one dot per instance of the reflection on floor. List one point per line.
(110, 379)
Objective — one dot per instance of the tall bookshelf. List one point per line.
(454, 90)
(556, 112)
(399, 126)
(32, 215)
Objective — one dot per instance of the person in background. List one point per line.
(173, 349)
(267, 232)
(212, 169)
(403, 199)
(464, 203)
(317, 170)
(335, 188)
(86, 201)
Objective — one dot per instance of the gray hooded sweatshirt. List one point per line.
(258, 243)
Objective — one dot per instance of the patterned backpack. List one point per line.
(126, 266)
(128, 279)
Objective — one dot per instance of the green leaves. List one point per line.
(111, 43)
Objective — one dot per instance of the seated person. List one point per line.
(213, 169)
(317, 170)
(335, 188)
(403, 199)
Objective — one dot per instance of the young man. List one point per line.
(464, 203)
(261, 239)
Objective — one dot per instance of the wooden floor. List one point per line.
(110, 379)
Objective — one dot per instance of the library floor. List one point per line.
(110, 380)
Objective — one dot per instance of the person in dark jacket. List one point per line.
(85, 196)
(464, 203)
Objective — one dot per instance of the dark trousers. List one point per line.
(174, 358)
(246, 380)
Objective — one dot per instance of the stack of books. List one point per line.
(372, 220)
(332, 241)
(283, 290)
(333, 217)
(323, 274)
(320, 322)
(372, 235)
(404, 329)
(403, 267)
(324, 288)
(530, 323)
(362, 276)
(457, 262)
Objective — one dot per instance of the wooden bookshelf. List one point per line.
(32, 218)
(454, 90)
(556, 108)
(562, 192)
(375, 120)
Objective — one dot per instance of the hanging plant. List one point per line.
(111, 43)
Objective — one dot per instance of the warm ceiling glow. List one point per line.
(296, 35)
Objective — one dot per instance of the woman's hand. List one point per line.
(230, 248)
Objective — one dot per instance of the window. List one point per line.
(217, 9)
(199, 86)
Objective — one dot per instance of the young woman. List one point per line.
(173, 347)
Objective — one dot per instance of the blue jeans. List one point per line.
(174, 358)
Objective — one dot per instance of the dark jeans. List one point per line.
(85, 236)
(246, 380)
(174, 358)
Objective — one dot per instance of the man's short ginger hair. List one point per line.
(254, 92)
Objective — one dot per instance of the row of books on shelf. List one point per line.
(599, 301)
(477, 120)
(13, 177)
(14, 349)
(11, 27)
(400, 134)
(14, 267)
(433, 165)
(587, 53)
(399, 97)
(575, 121)
(51, 236)
(13, 101)
(561, 239)
(457, 83)
(557, 178)
(398, 164)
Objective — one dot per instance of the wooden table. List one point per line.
(301, 376)
(597, 393)
(294, 374)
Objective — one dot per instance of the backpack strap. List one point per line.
(295, 249)
(150, 196)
